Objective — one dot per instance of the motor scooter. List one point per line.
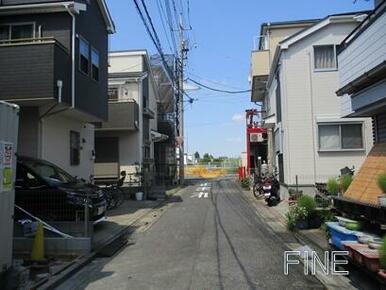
(271, 190)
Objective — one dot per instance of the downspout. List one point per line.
(312, 114)
(72, 56)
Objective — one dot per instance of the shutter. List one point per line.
(381, 128)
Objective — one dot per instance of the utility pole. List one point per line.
(180, 70)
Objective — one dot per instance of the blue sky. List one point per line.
(222, 40)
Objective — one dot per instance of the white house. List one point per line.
(310, 140)
(126, 141)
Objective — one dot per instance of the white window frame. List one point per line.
(340, 124)
(10, 24)
(335, 58)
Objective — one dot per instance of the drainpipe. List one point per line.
(312, 114)
(72, 56)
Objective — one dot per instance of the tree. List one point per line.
(197, 156)
(207, 158)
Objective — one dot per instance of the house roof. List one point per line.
(374, 15)
(335, 18)
(74, 6)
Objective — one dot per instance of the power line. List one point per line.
(219, 90)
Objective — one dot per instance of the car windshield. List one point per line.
(49, 172)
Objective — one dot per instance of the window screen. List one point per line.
(84, 56)
(95, 64)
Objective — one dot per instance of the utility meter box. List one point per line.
(9, 127)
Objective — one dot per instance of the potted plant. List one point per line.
(381, 181)
(299, 217)
(345, 182)
(332, 186)
(309, 204)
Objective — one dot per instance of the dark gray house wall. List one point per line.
(56, 25)
(28, 132)
(91, 96)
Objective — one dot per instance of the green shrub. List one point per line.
(345, 181)
(308, 203)
(381, 181)
(382, 253)
(245, 183)
(294, 215)
(332, 186)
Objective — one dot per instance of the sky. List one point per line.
(221, 41)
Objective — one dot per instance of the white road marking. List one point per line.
(194, 195)
(201, 194)
(206, 195)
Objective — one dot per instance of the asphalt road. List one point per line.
(212, 239)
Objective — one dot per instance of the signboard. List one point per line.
(6, 161)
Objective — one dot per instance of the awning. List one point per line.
(158, 137)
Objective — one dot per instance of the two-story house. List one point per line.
(165, 150)
(310, 142)
(362, 89)
(53, 63)
(126, 141)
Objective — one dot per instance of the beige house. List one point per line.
(126, 141)
(308, 140)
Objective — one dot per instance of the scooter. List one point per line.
(271, 190)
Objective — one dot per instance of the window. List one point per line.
(84, 57)
(4, 32)
(74, 148)
(325, 57)
(95, 64)
(113, 94)
(16, 31)
(340, 137)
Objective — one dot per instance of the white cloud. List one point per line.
(238, 118)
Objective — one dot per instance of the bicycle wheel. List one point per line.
(118, 196)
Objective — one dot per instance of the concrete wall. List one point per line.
(308, 96)
(55, 144)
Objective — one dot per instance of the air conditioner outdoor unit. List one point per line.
(256, 137)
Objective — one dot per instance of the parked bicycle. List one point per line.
(114, 194)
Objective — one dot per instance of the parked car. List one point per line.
(51, 194)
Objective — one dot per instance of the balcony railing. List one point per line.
(31, 68)
(123, 115)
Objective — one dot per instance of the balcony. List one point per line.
(30, 70)
(259, 74)
(123, 116)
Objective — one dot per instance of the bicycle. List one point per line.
(114, 194)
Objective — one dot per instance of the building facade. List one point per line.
(53, 63)
(310, 142)
(362, 90)
(126, 141)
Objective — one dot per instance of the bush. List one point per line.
(245, 183)
(308, 203)
(381, 181)
(332, 186)
(382, 253)
(345, 181)
(295, 215)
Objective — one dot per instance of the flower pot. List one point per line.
(382, 200)
(302, 224)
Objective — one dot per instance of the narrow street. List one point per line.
(212, 239)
